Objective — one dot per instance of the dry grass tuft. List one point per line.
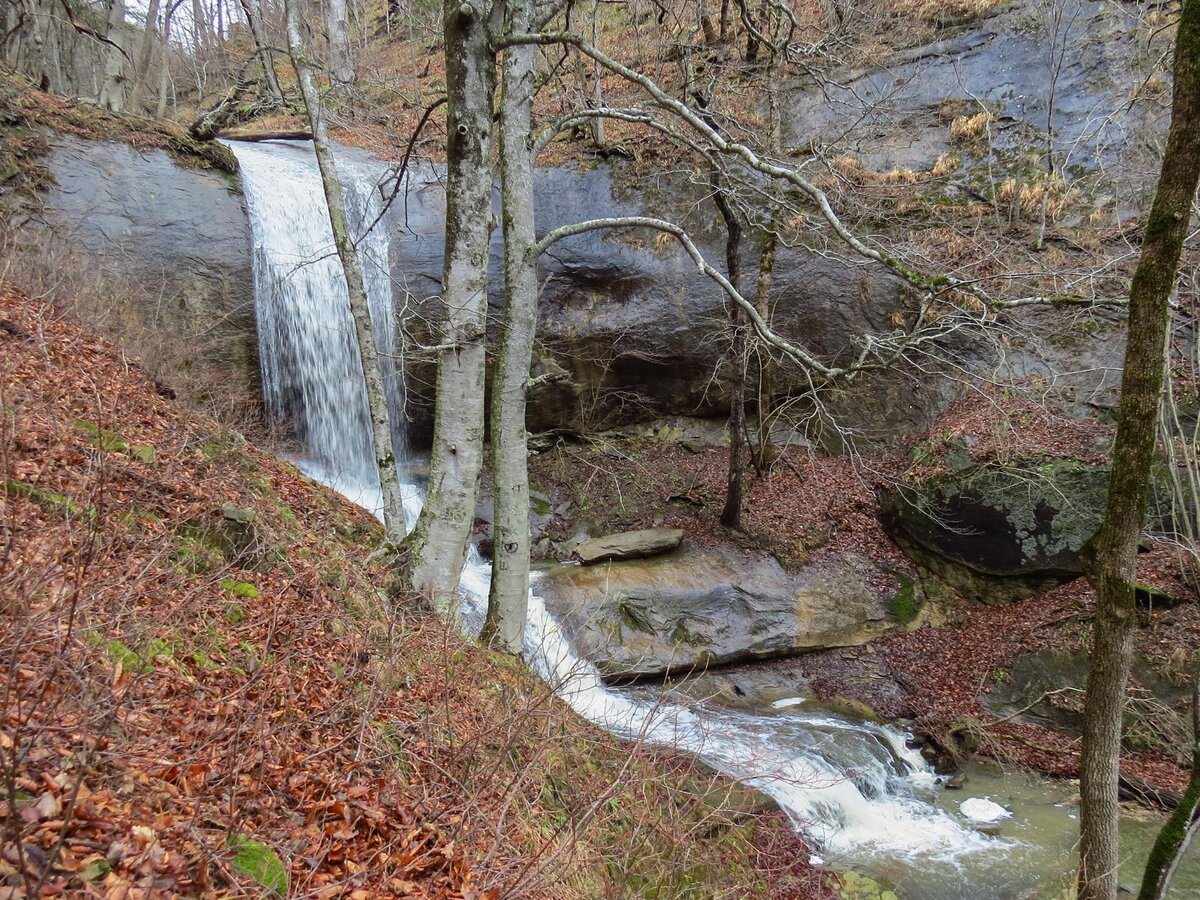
(946, 12)
(946, 164)
(969, 129)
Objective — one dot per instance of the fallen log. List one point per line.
(231, 111)
(1134, 788)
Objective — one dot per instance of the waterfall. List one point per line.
(308, 352)
(856, 791)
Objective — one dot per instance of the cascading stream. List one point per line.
(856, 791)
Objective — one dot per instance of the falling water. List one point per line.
(311, 369)
(856, 791)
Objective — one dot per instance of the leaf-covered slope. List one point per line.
(205, 691)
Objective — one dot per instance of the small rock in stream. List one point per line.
(983, 811)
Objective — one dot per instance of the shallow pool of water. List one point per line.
(1038, 858)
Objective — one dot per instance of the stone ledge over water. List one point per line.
(698, 608)
(629, 545)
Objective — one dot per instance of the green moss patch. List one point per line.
(905, 605)
(260, 863)
(47, 500)
(111, 440)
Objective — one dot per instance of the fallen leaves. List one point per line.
(199, 665)
(143, 721)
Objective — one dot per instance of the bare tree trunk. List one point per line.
(112, 92)
(437, 546)
(164, 71)
(731, 515)
(50, 37)
(199, 27)
(145, 52)
(264, 50)
(36, 65)
(763, 455)
(591, 97)
(341, 70)
(763, 402)
(1115, 545)
(1173, 840)
(597, 101)
(509, 594)
(381, 429)
(752, 42)
(12, 20)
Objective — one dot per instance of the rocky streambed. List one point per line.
(793, 654)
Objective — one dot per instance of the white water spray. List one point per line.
(855, 790)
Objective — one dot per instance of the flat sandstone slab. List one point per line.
(629, 545)
(704, 607)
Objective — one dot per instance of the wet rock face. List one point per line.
(997, 533)
(1088, 53)
(1047, 687)
(175, 244)
(629, 330)
(1077, 362)
(696, 609)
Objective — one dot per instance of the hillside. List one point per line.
(208, 690)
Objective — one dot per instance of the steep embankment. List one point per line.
(24, 110)
(206, 690)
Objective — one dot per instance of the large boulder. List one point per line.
(997, 533)
(699, 608)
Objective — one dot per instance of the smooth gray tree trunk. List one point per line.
(437, 546)
(509, 595)
(199, 27)
(10, 20)
(340, 66)
(164, 70)
(145, 54)
(112, 91)
(37, 22)
(381, 429)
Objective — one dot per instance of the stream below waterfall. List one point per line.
(862, 797)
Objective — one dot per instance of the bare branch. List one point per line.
(90, 32)
(789, 174)
(764, 330)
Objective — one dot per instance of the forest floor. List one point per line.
(937, 679)
(25, 110)
(206, 690)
